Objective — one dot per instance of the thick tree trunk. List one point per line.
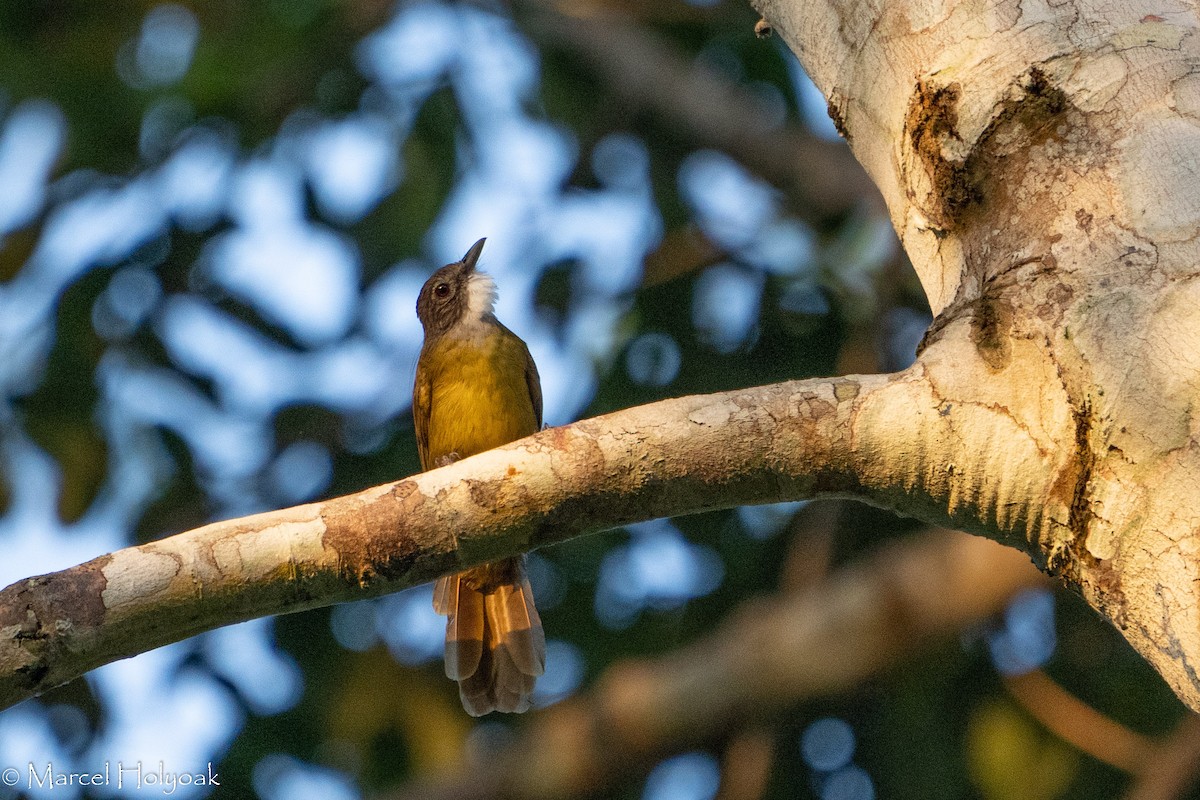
(1039, 161)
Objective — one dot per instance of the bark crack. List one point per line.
(1080, 512)
(932, 124)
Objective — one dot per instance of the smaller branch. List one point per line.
(1077, 723)
(1172, 767)
(682, 251)
(1163, 769)
(766, 657)
(747, 763)
(811, 533)
(648, 72)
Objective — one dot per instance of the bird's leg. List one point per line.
(446, 460)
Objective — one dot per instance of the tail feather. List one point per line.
(518, 627)
(495, 646)
(444, 590)
(466, 632)
(475, 690)
(513, 689)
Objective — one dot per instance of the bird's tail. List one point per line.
(495, 647)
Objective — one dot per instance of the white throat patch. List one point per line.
(481, 295)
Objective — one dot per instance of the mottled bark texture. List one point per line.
(1039, 160)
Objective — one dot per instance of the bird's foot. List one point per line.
(447, 460)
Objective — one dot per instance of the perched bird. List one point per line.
(477, 388)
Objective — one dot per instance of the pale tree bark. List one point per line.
(1038, 162)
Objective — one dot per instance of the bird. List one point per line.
(476, 388)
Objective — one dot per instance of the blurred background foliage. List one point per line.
(214, 221)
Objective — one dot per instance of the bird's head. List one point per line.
(456, 293)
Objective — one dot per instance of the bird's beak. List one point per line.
(473, 254)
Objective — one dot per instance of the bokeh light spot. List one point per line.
(726, 305)
(32, 138)
(691, 776)
(765, 521)
(653, 359)
(849, 783)
(620, 160)
(658, 569)
(163, 50)
(413, 631)
(564, 673)
(730, 204)
(284, 777)
(353, 625)
(301, 472)
(827, 744)
(245, 655)
(1027, 637)
(128, 300)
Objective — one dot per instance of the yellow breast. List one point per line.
(480, 398)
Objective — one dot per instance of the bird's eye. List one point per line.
(442, 290)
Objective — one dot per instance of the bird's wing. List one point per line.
(422, 403)
(535, 386)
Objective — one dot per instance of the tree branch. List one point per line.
(1171, 767)
(879, 438)
(1077, 723)
(647, 72)
(783, 442)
